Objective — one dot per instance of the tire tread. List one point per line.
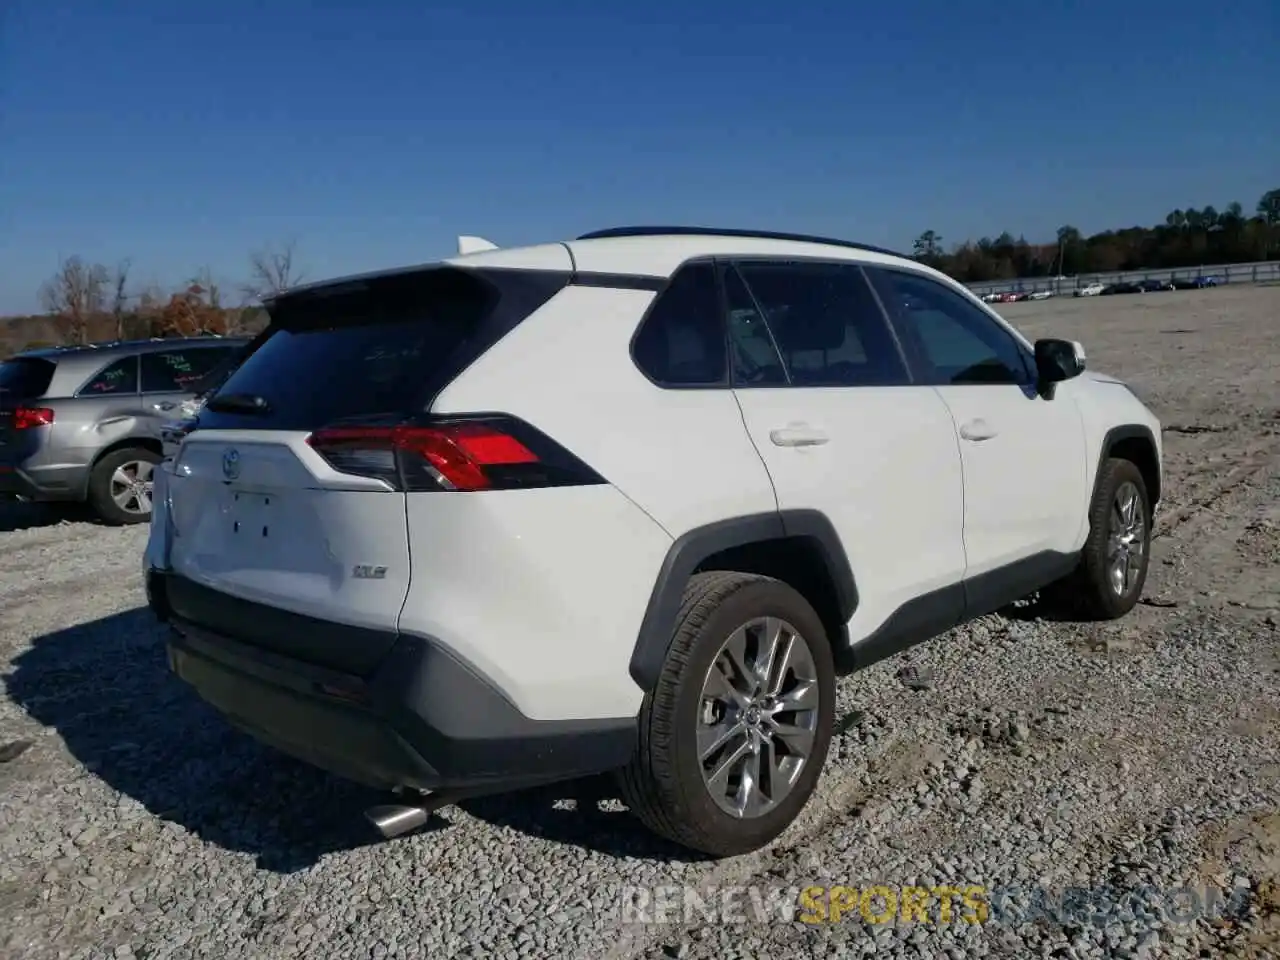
(1084, 594)
(651, 785)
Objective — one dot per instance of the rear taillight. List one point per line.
(27, 418)
(462, 454)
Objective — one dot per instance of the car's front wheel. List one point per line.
(1113, 565)
(734, 736)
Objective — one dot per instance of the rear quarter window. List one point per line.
(25, 378)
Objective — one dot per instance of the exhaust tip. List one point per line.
(394, 819)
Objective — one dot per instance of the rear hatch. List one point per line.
(23, 381)
(271, 502)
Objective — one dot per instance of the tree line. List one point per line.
(1187, 238)
(86, 302)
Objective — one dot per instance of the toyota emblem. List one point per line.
(231, 464)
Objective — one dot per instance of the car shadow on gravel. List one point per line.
(16, 515)
(584, 813)
(105, 686)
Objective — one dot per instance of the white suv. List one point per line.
(627, 503)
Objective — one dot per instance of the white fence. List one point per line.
(1264, 272)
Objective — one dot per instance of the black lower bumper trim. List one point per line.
(422, 719)
(15, 483)
(41, 486)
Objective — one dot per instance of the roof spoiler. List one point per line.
(468, 245)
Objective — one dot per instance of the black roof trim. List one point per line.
(728, 232)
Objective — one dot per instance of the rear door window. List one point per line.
(25, 378)
(826, 323)
(175, 371)
(114, 379)
(374, 348)
(756, 361)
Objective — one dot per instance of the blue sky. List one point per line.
(185, 134)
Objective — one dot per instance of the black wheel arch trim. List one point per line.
(692, 548)
(1130, 431)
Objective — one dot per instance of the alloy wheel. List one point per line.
(758, 715)
(131, 486)
(1127, 539)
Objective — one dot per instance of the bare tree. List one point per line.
(272, 272)
(208, 286)
(120, 297)
(76, 293)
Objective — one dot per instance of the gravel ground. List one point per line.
(1025, 755)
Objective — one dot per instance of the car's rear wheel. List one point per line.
(1117, 554)
(120, 485)
(734, 736)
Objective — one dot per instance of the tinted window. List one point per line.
(756, 361)
(827, 324)
(375, 347)
(223, 370)
(681, 342)
(25, 378)
(177, 370)
(116, 378)
(955, 341)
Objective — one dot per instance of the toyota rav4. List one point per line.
(628, 503)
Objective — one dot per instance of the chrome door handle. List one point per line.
(798, 435)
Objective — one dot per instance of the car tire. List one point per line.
(1099, 589)
(106, 497)
(666, 784)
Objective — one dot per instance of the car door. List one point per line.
(1025, 495)
(828, 399)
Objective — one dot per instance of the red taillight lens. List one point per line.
(27, 418)
(465, 455)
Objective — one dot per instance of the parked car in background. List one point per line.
(1193, 283)
(82, 423)
(1092, 290)
(1124, 286)
(1154, 286)
(1041, 295)
(185, 415)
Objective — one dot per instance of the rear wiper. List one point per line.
(239, 403)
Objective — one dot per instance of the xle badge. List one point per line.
(366, 571)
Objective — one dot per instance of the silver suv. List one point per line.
(83, 423)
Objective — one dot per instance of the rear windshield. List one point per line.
(375, 348)
(25, 378)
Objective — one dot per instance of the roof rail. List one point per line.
(716, 232)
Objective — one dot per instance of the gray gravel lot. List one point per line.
(1135, 757)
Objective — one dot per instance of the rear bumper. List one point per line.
(422, 718)
(42, 483)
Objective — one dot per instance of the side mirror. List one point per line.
(1058, 360)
